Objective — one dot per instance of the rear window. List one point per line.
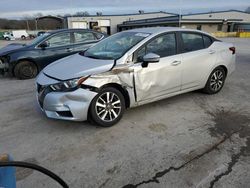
(192, 42)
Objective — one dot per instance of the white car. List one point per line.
(132, 68)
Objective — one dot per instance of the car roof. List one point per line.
(65, 30)
(157, 30)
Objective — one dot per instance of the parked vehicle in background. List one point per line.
(16, 34)
(132, 68)
(8, 36)
(20, 34)
(1, 35)
(25, 60)
(40, 33)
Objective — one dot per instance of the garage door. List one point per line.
(82, 25)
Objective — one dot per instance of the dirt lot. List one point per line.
(191, 140)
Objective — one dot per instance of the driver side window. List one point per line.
(164, 45)
(59, 40)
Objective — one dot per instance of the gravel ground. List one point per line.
(191, 140)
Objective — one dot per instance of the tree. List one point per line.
(99, 13)
(85, 13)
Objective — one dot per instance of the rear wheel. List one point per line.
(107, 107)
(23, 37)
(7, 38)
(25, 70)
(215, 81)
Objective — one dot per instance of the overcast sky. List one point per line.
(20, 8)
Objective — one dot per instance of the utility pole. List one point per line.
(36, 23)
(180, 12)
(27, 22)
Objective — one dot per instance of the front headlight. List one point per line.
(68, 85)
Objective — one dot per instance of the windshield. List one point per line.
(115, 46)
(38, 39)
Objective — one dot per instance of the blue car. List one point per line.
(25, 61)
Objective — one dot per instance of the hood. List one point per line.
(76, 66)
(11, 48)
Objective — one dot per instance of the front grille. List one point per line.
(42, 92)
(64, 113)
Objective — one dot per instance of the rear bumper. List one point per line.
(67, 105)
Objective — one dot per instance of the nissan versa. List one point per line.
(132, 68)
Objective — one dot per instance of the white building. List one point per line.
(226, 21)
(108, 23)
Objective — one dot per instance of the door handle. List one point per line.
(69, 50)
(211, 51)
(175, 63)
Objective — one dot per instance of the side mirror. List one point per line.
(150, 58)
(44, 45)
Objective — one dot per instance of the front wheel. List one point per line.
(25, 70)
(215, 81)
(107, 107)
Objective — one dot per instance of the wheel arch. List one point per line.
(122, 90)
(224, 68)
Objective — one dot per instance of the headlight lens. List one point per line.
(68, 85)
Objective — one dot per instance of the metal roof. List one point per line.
(157, 30)
(175, 19)
(212, 12)
(131, 14)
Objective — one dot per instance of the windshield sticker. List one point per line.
(142, 34)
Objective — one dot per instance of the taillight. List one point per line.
(232, 49)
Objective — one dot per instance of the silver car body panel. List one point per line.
(76, 66)
(143, 85)
(77, 102)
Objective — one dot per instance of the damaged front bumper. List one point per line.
(4, 67)
(66, 105)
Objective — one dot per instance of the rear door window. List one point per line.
(62, 39)
(82, 37)
(192, 42)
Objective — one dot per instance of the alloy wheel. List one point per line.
(108, 106)
(216, 81)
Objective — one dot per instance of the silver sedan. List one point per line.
(133, 68)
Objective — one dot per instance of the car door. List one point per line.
(161, 78)
(198, 58)
(57, 46)
(84, 40)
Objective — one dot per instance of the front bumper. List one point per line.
(4, 67)
(65, 105)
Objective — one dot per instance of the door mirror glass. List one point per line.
(150, 58)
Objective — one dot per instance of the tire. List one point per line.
(23, 37)
(107, 113)
(25, 70)
(7, 38)
(215, 81)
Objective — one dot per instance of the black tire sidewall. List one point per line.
(207, 88)
(93, 116)
(18, 70)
